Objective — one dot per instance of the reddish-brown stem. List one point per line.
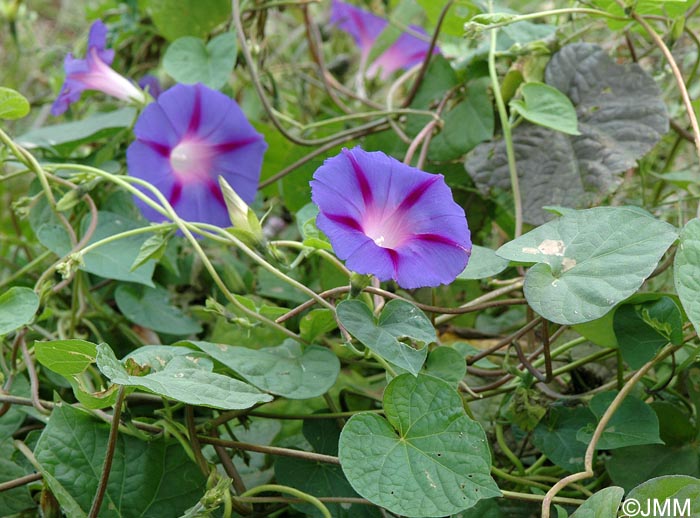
(426, 62)
(272, 450)
(109, 455)
(33, 378)
(21, 481)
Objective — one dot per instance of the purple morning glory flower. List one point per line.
(390, 219)
(151, 84)
(365, 27)
(94, 73)
(188, 138)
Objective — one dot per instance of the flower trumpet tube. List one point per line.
(94, 73)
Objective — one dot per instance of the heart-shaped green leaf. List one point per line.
(66, 136)
(188, 60)
(13, 105)
(589, 260)
(555, 436)
(286, 370)
(188, 384)
(399, 319)
(629, 467)
(546, 106)
(634, 423)
(17, 307)
(111, 260)
(70, 359)
(316, 323)
(318, 478)
(427, 458)
(176, 18)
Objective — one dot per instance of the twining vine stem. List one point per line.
(600, 428)
(109, 455)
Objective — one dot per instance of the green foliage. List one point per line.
(578, 170)
(680, 488)
(577, 280)
(427, 458)
(188, 60)
(634, 423)
(247, 373)
(642, 329)
(149, 307)
(65, 137)
(287, 370)
(17, 308)
(177, 18)
(556, 436)
(483, 263)
(603, 504)
(546, 106)
(66, 357)
(399, 320)
(158, 478)
(318, 479)
(183, 378)
(685, 270)
(629, 467)
(13, 105)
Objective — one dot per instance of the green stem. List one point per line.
(500, 439)
(517, 480)
(323, 253)
(124, 235)
(539, 498)
(685, 96)
(535, 466)
(290, 491)
(554, 12)
(507, 137)
(28, 160)
(582, 361)
(267, 266)
(330, 415)
(352, 116)
(561, 350)
(381, 361)
(166, 209)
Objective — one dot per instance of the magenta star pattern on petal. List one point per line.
(94, 73)
(391, 220)
(365, 27)
(184, 141)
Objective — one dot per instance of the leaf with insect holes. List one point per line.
(587, 261)
(184, 381)
(399, 319)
